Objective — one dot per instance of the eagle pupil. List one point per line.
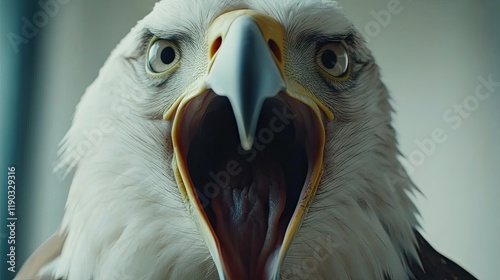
(167, 55)
(329, 59)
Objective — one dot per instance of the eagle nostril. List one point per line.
(275, 49)
(215, 46)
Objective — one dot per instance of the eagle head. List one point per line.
(240, 140)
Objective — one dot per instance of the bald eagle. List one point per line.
(243, 139)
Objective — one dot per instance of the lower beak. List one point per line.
(249, 193)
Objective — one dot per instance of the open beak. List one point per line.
(248, 147)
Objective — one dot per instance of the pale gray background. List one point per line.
(431, 55)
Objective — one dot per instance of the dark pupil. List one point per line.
(167, 55)
(329, 59)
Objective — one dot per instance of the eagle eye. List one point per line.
(163, 56)
(333, 59)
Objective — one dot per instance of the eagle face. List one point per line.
(247, 140)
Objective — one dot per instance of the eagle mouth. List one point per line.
(249, 198)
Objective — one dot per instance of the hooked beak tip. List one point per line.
(247, 143)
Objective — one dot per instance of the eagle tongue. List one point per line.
(247, 218)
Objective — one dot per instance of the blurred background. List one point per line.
(434, 56)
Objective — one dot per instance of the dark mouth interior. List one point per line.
(249, 197)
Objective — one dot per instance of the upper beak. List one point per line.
(246, 65)
(245, 70)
